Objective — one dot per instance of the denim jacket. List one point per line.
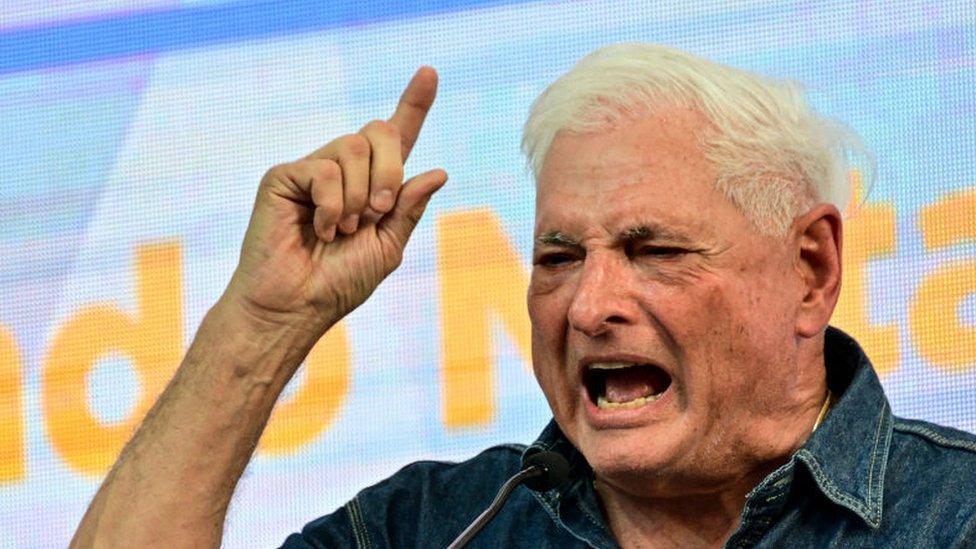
(865, 478)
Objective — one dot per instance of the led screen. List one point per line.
(134, 135)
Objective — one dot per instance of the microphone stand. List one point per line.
(496, 505)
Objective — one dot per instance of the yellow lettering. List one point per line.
(937, 332)
(868, 234)
(303, 417)
(12, 466)
(152, 338)
(480, 274)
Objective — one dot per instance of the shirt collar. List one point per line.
(847, 455)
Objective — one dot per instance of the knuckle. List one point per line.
(382, 127)
(330, 210)
(327, 169)
(414, 217)
(274, 172)
(395, 258)
(356, 145)
(390, 175)
(355, 200)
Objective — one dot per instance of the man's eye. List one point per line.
(659, 251)
(554, 260)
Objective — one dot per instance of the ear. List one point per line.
(818, 235)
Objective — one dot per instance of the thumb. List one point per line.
(410, 205)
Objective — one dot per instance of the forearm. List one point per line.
(174, 480)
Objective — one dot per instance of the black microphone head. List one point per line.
(555, 470)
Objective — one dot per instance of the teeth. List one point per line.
(611, 365)
(605, 404)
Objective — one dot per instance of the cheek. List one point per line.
(548, 301)
(769, 307)
(544, 317)
(746, 339)
(723, 338)
(547, 361)
(547, 316)
(547, 312)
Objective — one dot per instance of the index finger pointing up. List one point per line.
(413, 106)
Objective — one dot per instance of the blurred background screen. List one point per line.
(133, 136)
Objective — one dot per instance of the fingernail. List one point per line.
(382, 201)
(330, 233)
(349, 223)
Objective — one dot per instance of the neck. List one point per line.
(697, 520)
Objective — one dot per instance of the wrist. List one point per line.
(247, 315)
(254, 343)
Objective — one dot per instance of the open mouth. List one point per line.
(624, 384)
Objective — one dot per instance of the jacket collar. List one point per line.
(574, 504)
(848, 454)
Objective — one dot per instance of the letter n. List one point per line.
(481, 280)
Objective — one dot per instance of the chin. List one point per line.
(626, 455)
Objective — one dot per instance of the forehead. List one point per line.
(668, 137)
(646, 171)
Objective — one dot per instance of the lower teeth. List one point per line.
(602, 402)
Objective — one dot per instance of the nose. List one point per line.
(601, 303)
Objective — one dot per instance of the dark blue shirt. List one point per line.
(865, 478)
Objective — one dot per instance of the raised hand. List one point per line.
(325, 231)
(328, 228)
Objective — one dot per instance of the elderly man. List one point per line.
(686, 265)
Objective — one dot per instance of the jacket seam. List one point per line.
(517, 448)
(934, 437)
(554, 516)
(834, 493)
(875, 493)
(592, 518)
(354, 511)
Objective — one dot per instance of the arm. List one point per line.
(173, 482)
(321, 238)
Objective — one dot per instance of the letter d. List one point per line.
(152, 339)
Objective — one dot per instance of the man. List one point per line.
(687, 262)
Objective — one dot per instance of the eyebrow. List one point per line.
(557, 238)
(630, 234)
(649, 232)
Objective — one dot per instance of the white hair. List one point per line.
(775, 156)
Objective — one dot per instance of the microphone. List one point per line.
(542, 471)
